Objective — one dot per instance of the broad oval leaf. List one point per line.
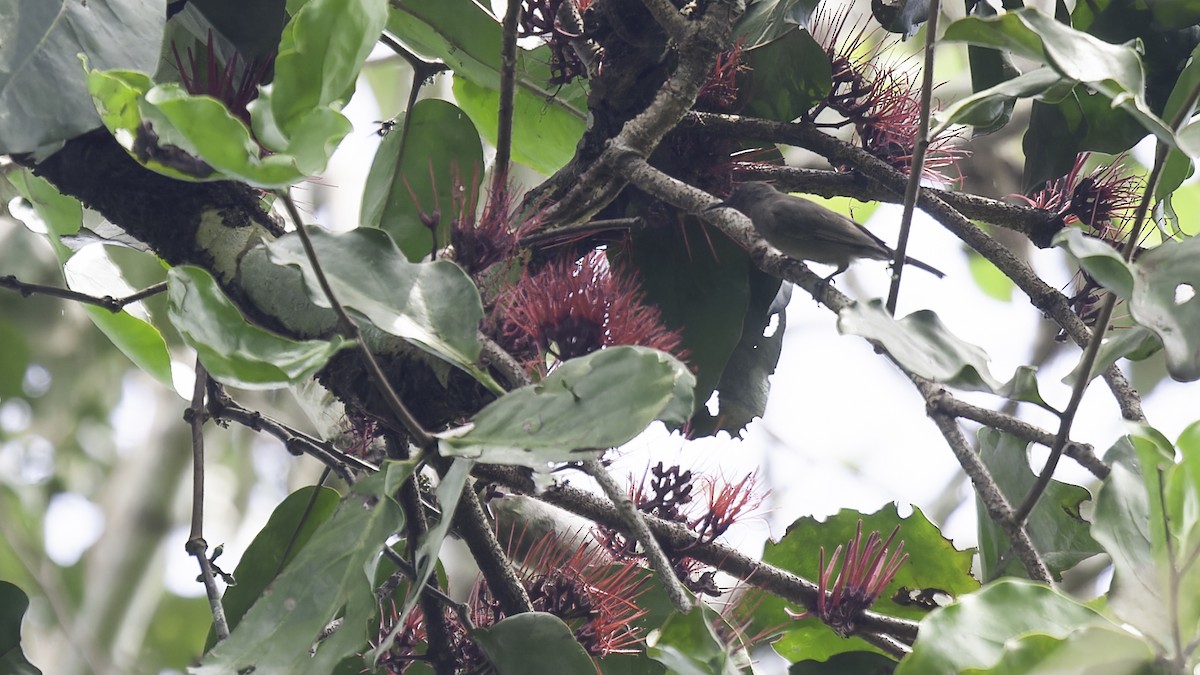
(789, 76)
(533, 643)
(590, 403)
(975, 631)
(435, 305)
(1164, 299)
(43, 95)
(434, 151)
(234, 351)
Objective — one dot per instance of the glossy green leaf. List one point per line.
(134, 336)
(326, 580)
(441, 148)
(989, 278)
(789, 75)
(320, 53)
(925, 346)
(1179, 166)
(1091, 650)
(1115, 71)
(533, 643)
(745, 381)
(1099, 259)
(700, 283)
(287, 531)
(687, 644)
(13, 603)
(619, 391)
(1056, 526)
(989, 68)
(435, 305)
(543, 136)
(1164, 299)
(43, 95)
(867, 663)
(766, 20)
(975, 631)
(234, 351)
(989, 109)
(933, 564)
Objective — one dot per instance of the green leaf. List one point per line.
(618, 391)
(975, 631)
(1099, 259)
(434, 305)
(1058, 530)
(990, 68)
(925, 346)
(320, 53)
(1134, 343)
(990, 108)
(1123, 527)
(766, 20)
(700, 283)
(287, 531)
(233, 350)
(864, 663)
(13, 603)
(789, 76)
(1166, 299)
(42, 90)
(745, 381)
(252, 27)
(1091, 650)
(989, 278)
(933, 564)
(326, 580)
(543, 136)
(533, 643)
(134, 336)
(441, 147)
(687, 645)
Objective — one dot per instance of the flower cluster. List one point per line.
(881, 98)
(1102, 201)
(573, 579)
(843, 593)
(572, 307)
(668, 492)
(230, 84)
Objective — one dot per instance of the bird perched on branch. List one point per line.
(805, 230)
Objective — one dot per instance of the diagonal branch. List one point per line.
(108, 302)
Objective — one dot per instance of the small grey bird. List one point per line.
(805, 230)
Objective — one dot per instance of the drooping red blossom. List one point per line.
(575, 307)
(868, 568)
(229, 84)
(877, 93)
(482, 242)
(719, 93)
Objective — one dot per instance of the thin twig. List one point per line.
(406, 570)
(108, 302)
(635, 523)
(920, 146)
(350, 330)
(222, 407)
(508, 66)
(422, 69)
(569, 232)
(436, 629)
(196, 546)
(941, 400)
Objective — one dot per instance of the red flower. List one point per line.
(233, 86)
(575, 307)
(859, 582)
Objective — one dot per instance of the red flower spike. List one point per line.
(222, 83)
(861, 579)
(575, 307)
(881, 98)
